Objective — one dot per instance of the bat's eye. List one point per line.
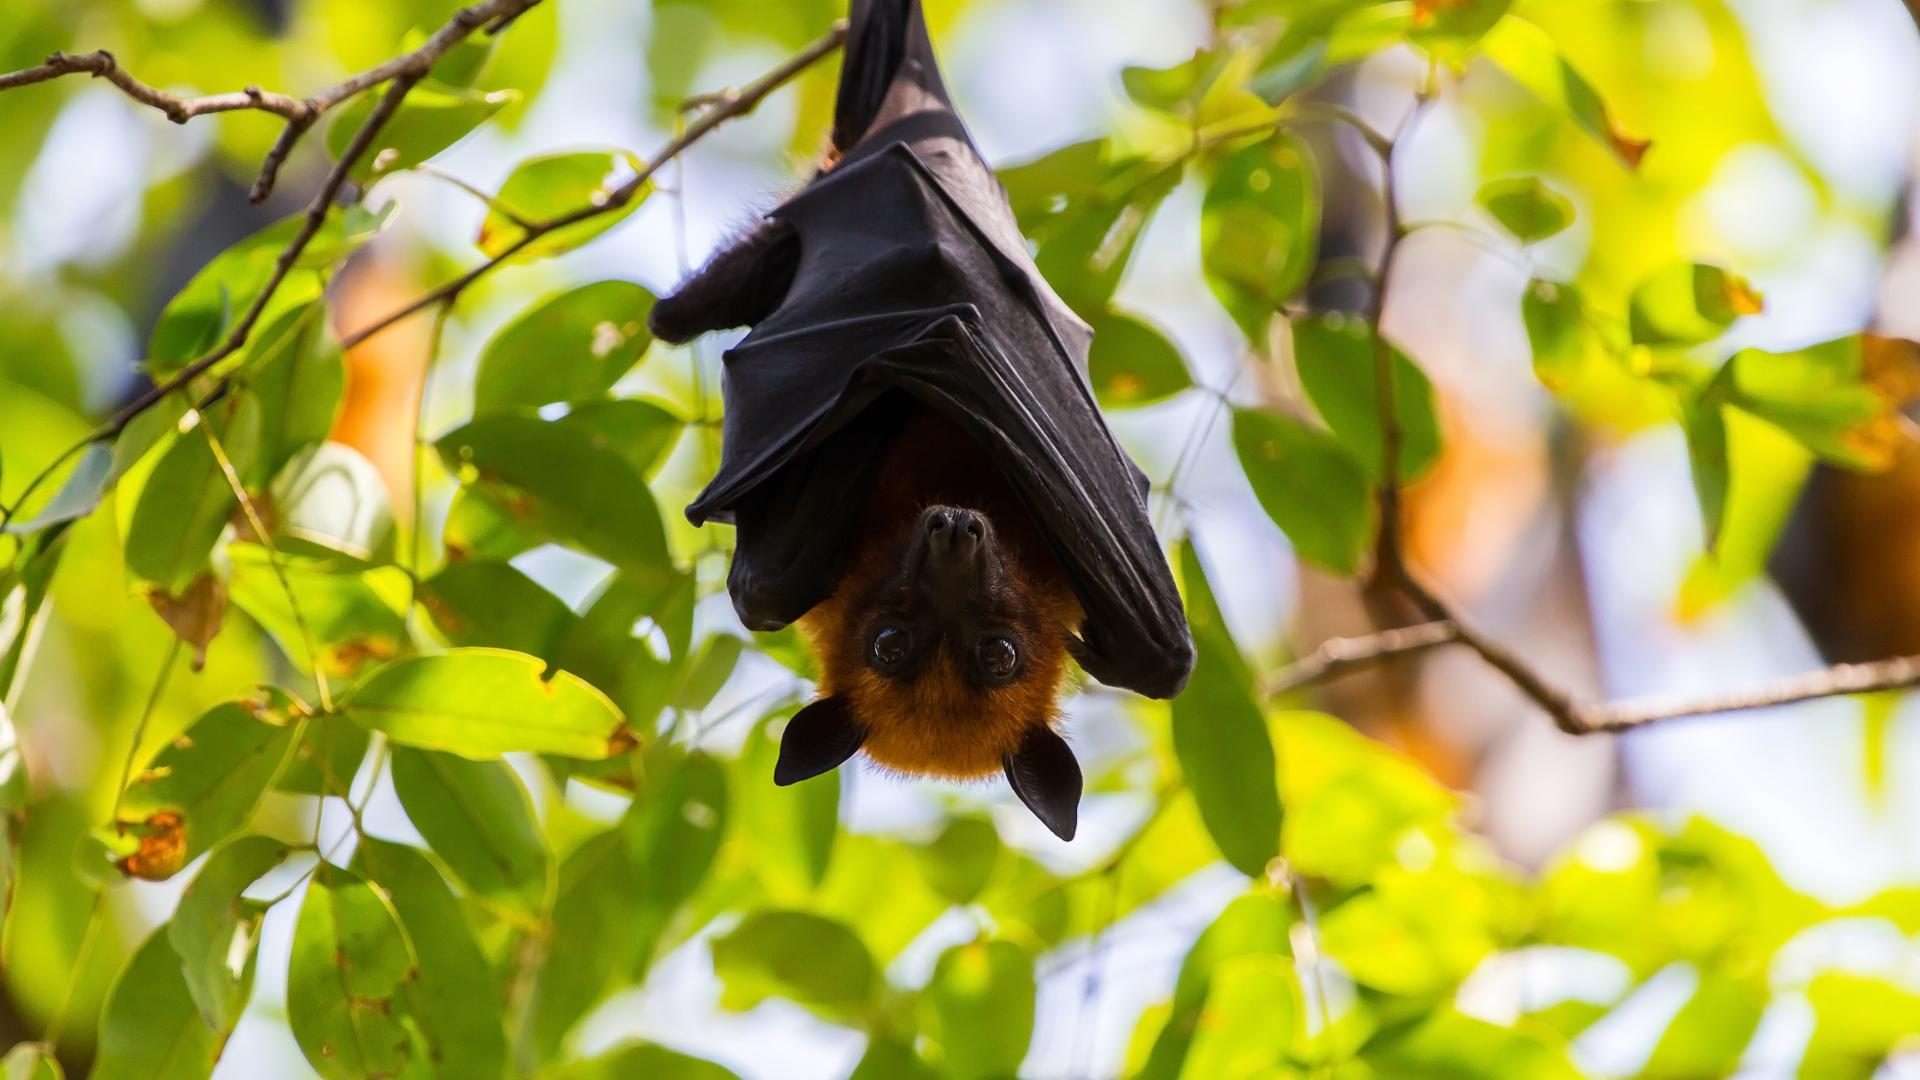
(890, 647)
(998, 658)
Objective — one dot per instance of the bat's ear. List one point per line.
(817, 740)
(1045, 775)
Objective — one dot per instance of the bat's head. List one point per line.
(942, 651)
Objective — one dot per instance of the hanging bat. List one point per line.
(912, 458)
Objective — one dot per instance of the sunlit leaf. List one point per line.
(889, 1059)
(959, 860)
(216, 931)
(433, 117)
(1688, 303)
(149, 1029)
(570, 347)
(31, 1061)
(592, 940)
(817, 962)
(1350, 801)
(1258, 924)
(709, 672)
(1335, 356)
(638, 430)
(492, 604)
(640, 1060)
(792, 830)
(1259, 230)
(350, 614)
(978, 1009)
(1084, 214)
(1528, 55)
(677, 823)
(1709, 1033)
(558, 482)
(477, 817)
(201, 787)
(1841, 399)
(1706, 427)
(451, 996)
(481, 703)
(1526, 207)
(1309, 484)
(1227, 758)
(344, 979)
(1857, 1022)
(544, 188)
(1205, 619)
(188, 499)
(1132, 363)
(77, 497)
(1450, 1043)
(296, 370)
(1252, 1018)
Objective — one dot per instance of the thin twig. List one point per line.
(1336, 656)
(725, 109)
(299, 113)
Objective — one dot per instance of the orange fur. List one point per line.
(938, 723)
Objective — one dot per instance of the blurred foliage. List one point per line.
(548, 753)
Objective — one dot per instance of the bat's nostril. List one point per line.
(937, 522)
(971, 525)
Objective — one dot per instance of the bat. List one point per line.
(912, 458)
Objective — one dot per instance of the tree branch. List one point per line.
(1336, 656)
(299, 113)
(1447, 625)
(722, 107)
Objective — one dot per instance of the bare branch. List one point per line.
(725, 107)
(1336, 656)
(299, 113)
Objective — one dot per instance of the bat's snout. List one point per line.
(955, 537)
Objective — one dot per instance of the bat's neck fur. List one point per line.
(939, 721)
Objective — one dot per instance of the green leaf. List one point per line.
(344, 979)
(1450, 1043)
(1132, 363)
(1335, 356)
(216, 931)
(616, 644)
(1525, 52)
(593, 939)
(676, 825)
(1706, 427)
(959, 860)
(1840, 399)
(30, 1061)
(544, 188)
(888, 1059)
(354, 616)
(1709, 1033)
(570, 347)
(1257, 924)
(296, 370)
(1688, 303)
(1350, 801)
(86, 485)
(1084, 215)
(640, 1060)
(559, 482)
(640, 431)
(1857, 1021)
(203, 313)
(1259, 230)
(791, 831)
(481, 703)
(1526, 207)
(1252, 1020)
(478, 528)
(334, 740)
(149, 1029)
(817, 962)
(202, 787)
(1227, 757)
(1309, 484)
(477, 817)
(1205, 619)
(187, 500)
(1555, 318)
(978, 1009)
(452, 996)
(709, 672)
(492, 604)
(1172, 89)
(433, 117)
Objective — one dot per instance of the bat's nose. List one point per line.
(954, 536)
